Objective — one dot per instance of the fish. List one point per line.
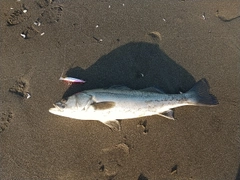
(120, 102)
(71, 80)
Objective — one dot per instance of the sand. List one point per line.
(166, 44)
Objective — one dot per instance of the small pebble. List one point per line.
(27, 95)
(203, 16)
(174, 170)
(23, 36)
(36, 23)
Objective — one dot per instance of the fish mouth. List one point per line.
(58, 106)
(56, 109)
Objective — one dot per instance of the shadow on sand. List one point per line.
(238, 173)
(136, 65)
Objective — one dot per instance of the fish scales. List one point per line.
(119, 102)
(134, 100)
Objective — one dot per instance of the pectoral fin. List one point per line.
(113, 124)
(103, 105)
(168, 114)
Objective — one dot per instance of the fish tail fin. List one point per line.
(199, 94)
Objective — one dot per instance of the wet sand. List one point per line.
(166, 44)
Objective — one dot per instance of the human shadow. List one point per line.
(136, 65)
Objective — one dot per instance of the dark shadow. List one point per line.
(238, 173)
(136, 65)
(142, 177)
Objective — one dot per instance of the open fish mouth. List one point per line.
(60, 105)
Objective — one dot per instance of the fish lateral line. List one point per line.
(110, 105)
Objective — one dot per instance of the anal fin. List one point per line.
(169, 114)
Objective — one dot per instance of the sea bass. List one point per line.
(120, 102)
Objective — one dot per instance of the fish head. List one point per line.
(64, 107)
(73, 106)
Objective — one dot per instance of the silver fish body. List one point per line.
(115, 103)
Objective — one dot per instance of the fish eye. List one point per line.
(63, 101)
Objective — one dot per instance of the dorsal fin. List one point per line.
(153, 89)
(103, 105)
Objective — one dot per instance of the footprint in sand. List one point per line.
(43, 3)
(51, 12)
(143, 126)
(21, 88)
(112, 159)
(30, 32)
(228, 12)
(22, 85)
(18, 16)
(5, 120)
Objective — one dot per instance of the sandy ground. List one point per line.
(168, 44)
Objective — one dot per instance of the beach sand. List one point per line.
(166, 44)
